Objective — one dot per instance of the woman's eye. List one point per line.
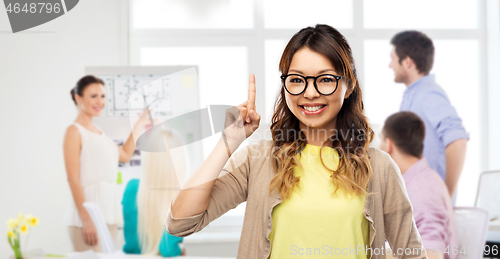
(327, 80)
(296, 80)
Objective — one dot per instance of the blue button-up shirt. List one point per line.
(442, 125)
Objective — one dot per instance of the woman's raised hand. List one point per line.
(144, 120)
(242, 120)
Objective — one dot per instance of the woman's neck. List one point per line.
(318, 136)
(84, 119)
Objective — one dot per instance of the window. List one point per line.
(456, 66)
(220, 70)
(421, 14)
(379, 83)
(296, 14)
(235, 38)
(192, 14)
(272, 50)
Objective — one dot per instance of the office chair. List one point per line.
(488, 198)
(472, 225)
(108, 246)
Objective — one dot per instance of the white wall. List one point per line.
(38, 68)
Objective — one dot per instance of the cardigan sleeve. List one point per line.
(230, 189)
(400, 229)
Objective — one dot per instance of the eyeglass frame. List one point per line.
(337, 78)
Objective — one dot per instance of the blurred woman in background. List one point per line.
(91, 160)
(144, 201)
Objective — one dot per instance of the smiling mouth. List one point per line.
(312, 108)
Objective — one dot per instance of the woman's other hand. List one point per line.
(89, 232)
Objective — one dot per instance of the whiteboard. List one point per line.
(159, 83)
(120, 88)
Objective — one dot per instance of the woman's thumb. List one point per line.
(255, 117)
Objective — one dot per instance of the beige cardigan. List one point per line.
(389, 210)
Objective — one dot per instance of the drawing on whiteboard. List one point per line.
(156, 91)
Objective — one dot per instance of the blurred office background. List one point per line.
(227, 40)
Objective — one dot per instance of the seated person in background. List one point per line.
(145, 203)
(403, 138)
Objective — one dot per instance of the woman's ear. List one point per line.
(78, 99)
(349, 91)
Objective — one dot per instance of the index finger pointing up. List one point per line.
(251, 93)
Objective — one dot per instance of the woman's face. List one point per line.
(309, 63)
(93, 100)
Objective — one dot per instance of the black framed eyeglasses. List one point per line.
(325, 84)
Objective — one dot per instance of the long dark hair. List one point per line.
(82, 84)
(354, 170)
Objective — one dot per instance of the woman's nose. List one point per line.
(311, 90)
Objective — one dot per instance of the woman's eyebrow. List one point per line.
(320, 72)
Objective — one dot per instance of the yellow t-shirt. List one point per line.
(313, 223)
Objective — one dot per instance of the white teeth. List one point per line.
(312, 108)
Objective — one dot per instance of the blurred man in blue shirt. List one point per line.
(412, 57)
